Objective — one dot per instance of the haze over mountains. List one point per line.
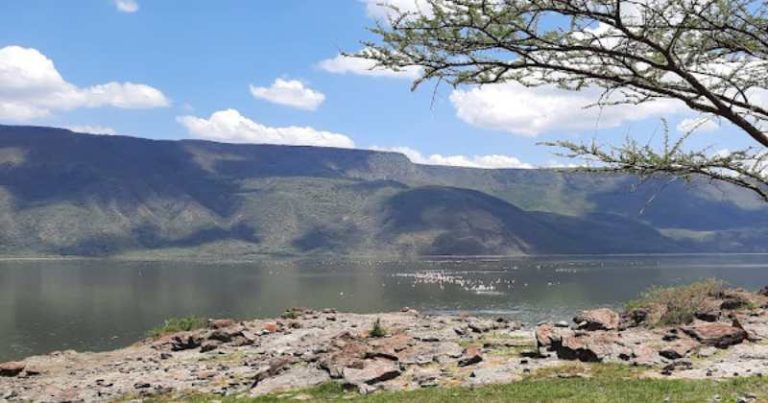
(65, 193)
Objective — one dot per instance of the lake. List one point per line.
(48, 305)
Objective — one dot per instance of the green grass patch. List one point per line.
(175, 325)
(377, 330)
(599, 389)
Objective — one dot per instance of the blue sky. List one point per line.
(161, 69)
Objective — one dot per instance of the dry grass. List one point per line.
(678, 305)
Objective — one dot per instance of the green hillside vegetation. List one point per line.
(64, 193)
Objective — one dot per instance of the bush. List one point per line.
(678, 305)
(377, 330)
(175, 325)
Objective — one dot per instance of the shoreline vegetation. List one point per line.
(699, 342)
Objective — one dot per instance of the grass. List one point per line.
(598, 389)
(175, 325)
(677, 305)
(377, 330)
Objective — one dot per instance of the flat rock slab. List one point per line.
(373, 372)
(719, 335)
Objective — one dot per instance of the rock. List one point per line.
(271, 327)
(597, 319)
(718, 335)
(633, 318)
(221, 323)
(141, 385)
(679, 349)
(707, 352)
(471, 356)
(185, 342)
(373, 372)
(764, 291)
(491, 375)
(548, 337)
(479, 327)
(13, 368)
(733, 303)
(299, 377)
(591, 347)
(275, 367)
(678, 364)
(209, 346)
(708, 316)
(561, 323)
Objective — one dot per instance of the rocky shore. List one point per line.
(409, 350)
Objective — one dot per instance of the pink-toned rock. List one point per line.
(271, 327)
(12, 368)
(221, 323)
(471, 356)
(719, 335)
(548, 337)
(597, 319)
(592, 347)
(372, 372)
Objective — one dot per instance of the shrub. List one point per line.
(377, 330)
(175, 325)
(678, 305)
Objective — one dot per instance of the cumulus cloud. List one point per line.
(127, 6)
(527, 111)
(232, 127)
(342, 64)
(291, 93)
(31, 87)
(92, 129)
(493, 161)
(700, 125)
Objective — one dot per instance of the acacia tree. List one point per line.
(711, 55)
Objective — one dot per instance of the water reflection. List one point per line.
(100, 304)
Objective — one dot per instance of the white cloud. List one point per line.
(700, 125)
(291, 93)
(92, 129)
(231, 127)
(493, 161)
(364, 67)
(31, 87)
(381, 9)
(127, 6)
(526, 111)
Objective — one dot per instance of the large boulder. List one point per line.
(12, 368)
(597, 319)
(549, 337)
(720, 335)
(592, 347)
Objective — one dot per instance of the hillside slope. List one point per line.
(65, 193)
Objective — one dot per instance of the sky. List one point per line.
(245, 71)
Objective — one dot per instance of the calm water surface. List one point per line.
(102, 304)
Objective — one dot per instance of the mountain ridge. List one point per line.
(66, 193)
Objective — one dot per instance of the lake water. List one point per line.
(102, 304)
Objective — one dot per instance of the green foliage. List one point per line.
(677, 305)
(377, 330)
(605, 388)
(709, 57)
(175, 325)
